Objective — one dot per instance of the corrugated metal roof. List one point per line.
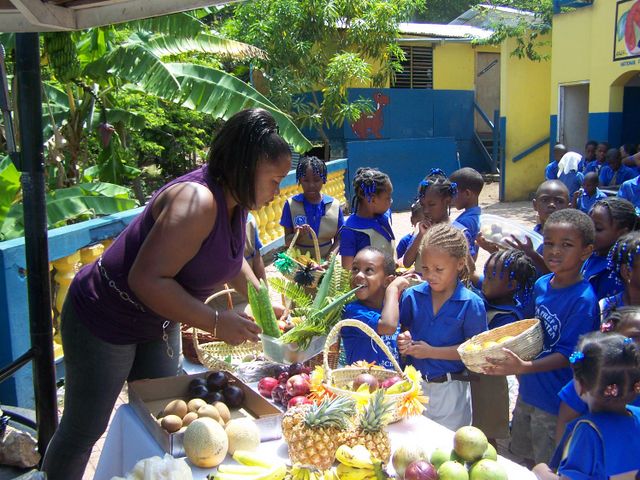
(483, 16)
(437, 30)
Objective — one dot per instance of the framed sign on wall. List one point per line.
(626, 39)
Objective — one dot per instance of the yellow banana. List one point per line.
(252, 459)
(352, 457)
(242, 469)
(277, 472)
(400, 387)
(330, 474)
(351, 473)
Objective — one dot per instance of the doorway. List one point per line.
(487, 88)
(573, 116)
(630, 118)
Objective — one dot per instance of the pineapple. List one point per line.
(369, 427)
(314, 432)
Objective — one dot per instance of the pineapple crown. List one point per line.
(334, 412)
(377, 413)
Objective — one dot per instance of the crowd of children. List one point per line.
(579, 393)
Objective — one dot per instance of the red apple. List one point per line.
(266, 386)
(420, 470)
(283, 377)
(299, 400)
(368, 379)
(297, 385)
(390, 381)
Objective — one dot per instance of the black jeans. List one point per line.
(95, 374)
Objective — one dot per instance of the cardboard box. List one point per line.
(149, 397)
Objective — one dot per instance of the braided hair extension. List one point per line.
(437, 181)
(624, 252)
(450, 239)
(621, 211)
(607, 365)
(520, 269)
(368, 182)
(617, 317)
(318, 167)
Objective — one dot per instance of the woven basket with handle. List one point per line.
(527, 343)
(338, 381)
(316, 274)
(218, 355)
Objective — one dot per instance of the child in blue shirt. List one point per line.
(469, 183)
(622, 262)
(605, 442)
(568, 172)
(507, 289)
(630, 190)
(252, 246)
(567, 308)
(600, 159)
(312, 209)
(405, 242)
(370, 222)
(551, 170)
(589, 155)
(612, 218)
(436, 316)
(589, 194)
(625, 321)
(373, 271)
(614, 173)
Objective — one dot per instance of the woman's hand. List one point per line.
(512, 364)
(235, 328)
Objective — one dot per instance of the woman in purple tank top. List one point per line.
(121, 317)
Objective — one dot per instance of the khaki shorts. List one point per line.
(490, 401)
(449, 403)
(533, 432)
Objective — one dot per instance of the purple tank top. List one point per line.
(113, 318)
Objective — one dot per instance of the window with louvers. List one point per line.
(417, 69)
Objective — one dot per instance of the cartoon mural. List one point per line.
(371, 123)
(627, 31)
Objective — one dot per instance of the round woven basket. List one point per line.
(218, 355)
(337, 380)
(527, 343)
(315, 274)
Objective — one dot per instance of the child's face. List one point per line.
(590, 186)
(368, 270)
(496, 286)
(613, 159)
(623, 152)
(630, 327)
(440, 269)
(564, 252)
(589, 152)
(551, 198)
(462, 199)
(268, 176)
(631, 276)
(435, 207)
(311, 183)
(601, 151)
(607, 231)
(381, 202)
(417, 217)
(558, 153)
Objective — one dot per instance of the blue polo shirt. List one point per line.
(609, 303)
(313, 213)
(593, 166)
(470, 219)
(551, 171)
(404, 244)
(461, 317)
(630, 190)
(572, 180)
(605, 282)
(501, 315)
(358, 345)
(565, 314)
(584, 202)
(352, 241)
(623, 174)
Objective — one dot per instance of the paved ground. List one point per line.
(521, 212)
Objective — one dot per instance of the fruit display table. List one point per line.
(129, 441)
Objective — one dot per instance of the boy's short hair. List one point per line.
(560, 146)
(388, 263)
(554, 182)
(576, 218)
(592, 176)
(468, 178)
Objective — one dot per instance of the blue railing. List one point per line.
(531, 149)
(492, 158)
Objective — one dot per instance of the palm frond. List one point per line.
(177, 25)
(291, 291)
(169, 45)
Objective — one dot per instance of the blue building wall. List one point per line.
(606, 126)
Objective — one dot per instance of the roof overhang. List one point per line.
(39, 16)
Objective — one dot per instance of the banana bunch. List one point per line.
(300, 472)
(63, 55)
(251, 466)
(357, 464)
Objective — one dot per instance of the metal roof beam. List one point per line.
(45, 15)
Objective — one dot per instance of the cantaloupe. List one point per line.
(205, 443)
(243, 434)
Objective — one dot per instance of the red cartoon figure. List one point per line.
(632, 28)
(371, 123)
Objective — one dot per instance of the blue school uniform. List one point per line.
(251, 248)
(593, 166)
(538, 230)
(358, 345)
(353, 237)
(471, 241)
(584, 202)
(569, 396)
(605, 282)
(610, 178)
(404, 244)
(609, 303)
(565, 314)
(601, 445)
(470, 219)
(551, 171)
(573, 181)
(461, 317)
(630, 190)
(501, 315)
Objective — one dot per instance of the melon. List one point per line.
(243, 434)
(205, 443)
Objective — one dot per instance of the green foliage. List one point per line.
(291, 291)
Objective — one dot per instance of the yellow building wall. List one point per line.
(454, 65)
(524, 106)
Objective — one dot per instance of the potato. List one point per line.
(188, 418)
(176, 407)
(195, 404)
(222, 408)
(171, 423)
(209, 411)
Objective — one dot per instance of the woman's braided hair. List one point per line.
(450, 239)
(368, 182)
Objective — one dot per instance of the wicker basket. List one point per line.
(315, 274)
(526, 343)
(337, 379)
(214, 355)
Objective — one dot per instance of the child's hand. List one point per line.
(512, 364)
(399, 284)
(424, 226)
(417, 349)
(486, 244)
(526, 246)
(404, 340)
(543, 471)
(304, 228)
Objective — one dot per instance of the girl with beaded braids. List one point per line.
(436, 316)
(312, 209)
(604, 443)
(507, 287)
(612, 218)
(624, 260)
(370, 221)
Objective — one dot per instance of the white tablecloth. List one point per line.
(129, 441)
